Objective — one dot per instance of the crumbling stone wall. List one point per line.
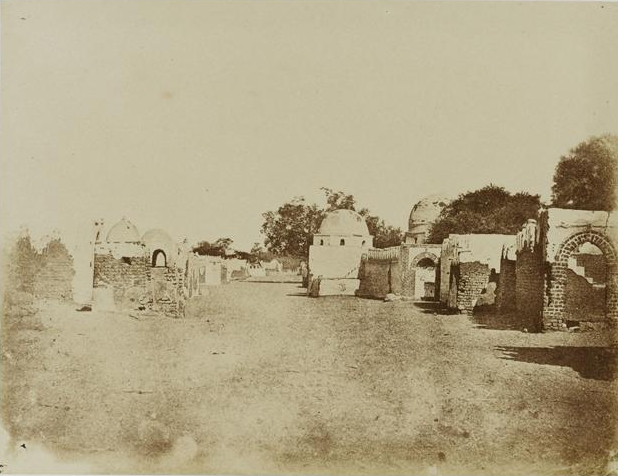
(473, 278)
(127, 276)
(507, 284)
(554, 315)
(54, 276)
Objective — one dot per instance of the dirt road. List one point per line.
(260, 379)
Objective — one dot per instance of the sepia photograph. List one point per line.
(309, 237)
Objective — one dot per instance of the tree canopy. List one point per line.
(491, 209)
(289, 229)
(586, 178)
(218, 248)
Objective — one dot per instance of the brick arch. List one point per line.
(421, 256)
(557, 285)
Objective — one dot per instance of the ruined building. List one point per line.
(566, 270)
(148, 271)
(409, 269)
(471, 269)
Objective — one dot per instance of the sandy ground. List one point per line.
(260, 379)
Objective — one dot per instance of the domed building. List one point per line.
(422, 216)
(343, 228)
(123, 232)
(136, 271)
(335, 256)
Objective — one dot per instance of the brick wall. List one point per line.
(583, 300)
(472, 280)
(127, 277)
(529, 284)
(594, 266)
(506, 290)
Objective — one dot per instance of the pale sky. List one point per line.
(197, 116)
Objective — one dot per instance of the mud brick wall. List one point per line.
(583, 301)
(529, 284)
(507, 282)
(473, 278)
(595, 266)
(54, 276)
(379, 278)
(128, 277)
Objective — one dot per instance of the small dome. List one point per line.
(427, 210)
(123, 232)
(157, 238)
(344, 222)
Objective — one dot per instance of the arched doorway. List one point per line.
(424, 266)
(584, 285)
(159, 260)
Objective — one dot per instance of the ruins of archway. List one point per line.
(583, 286)
(424, 275)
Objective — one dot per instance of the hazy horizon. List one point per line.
(197, 117)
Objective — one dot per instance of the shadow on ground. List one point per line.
(598, 363)
(434, 307)
(490, 319)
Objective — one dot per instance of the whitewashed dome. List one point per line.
(123, 232)
(344, 222)
(427, 210)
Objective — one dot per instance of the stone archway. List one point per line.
(561, 276)
(423, 269)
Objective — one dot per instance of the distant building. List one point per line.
(422, 217)
(335, 255)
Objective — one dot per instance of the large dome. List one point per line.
(427, 210)
(344, 222)
(123, 232)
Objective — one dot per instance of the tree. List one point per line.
(586, 178)
(289, 230)
(219, 248)
(490, 209)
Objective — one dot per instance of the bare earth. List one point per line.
(260, 379)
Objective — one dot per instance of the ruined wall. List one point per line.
(202, 271)
(481, 248)
(473, 278)
(507, 284)
(379, 277)
(164, 291)
(54, 276)
(411, 256)
(125, 275)
(584, 301)
(529, 284)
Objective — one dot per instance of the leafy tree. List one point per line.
(490, 209)
(219, 248)
(586, 178)
(289, 230)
